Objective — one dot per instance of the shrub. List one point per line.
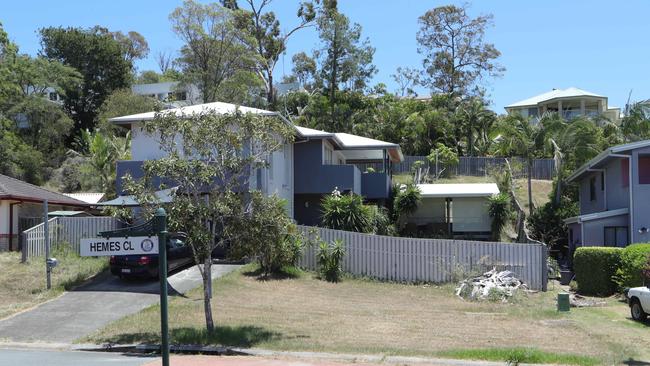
(329, 260)
(346, 212)
(547, 224)
(406, 201)
(634, 258)
(500, 212)
(380, 221)
(595, 268)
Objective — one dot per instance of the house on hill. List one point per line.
(23, 202)
(569, 103)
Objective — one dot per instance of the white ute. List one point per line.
(639, 300)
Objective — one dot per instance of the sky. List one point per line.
(599, 46)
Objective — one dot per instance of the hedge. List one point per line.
(633, 261)
(595, 268)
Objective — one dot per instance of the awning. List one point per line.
(163, 196)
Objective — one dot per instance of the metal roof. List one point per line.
(216, 107)
(458, 190)
(15, 189)
(596, 216)
(88, 197)
(163, 196)
(554, 94)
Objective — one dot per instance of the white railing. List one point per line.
(430, 260)
(68, 230)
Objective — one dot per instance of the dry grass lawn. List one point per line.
(364, 316)
(22, 285)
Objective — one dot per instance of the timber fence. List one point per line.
(430, 260)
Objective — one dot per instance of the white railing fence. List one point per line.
(430, 260)
(64, 230)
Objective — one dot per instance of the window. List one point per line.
(532, 112)
(644, 169)
(592, 188)
(328, 154)
(625, 172)
(616, 236)
(54, 96)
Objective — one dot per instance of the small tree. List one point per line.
(329, 260)
(499, 210)
(212, 158)
(406, 202)
(445, 157)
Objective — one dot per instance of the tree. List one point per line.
(345, 60)
(19, 160)
(99, 58)
(475, 119)
(103, 152)
(213, 52)
(518, 136)
(263, 36)
(456, 56)
(304, 69)
(123, 102)
(214, 201)
(406, 79)
(36, 75)
(346, 212)
(8, 53)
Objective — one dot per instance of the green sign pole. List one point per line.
(161, 229)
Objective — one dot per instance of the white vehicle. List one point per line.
(639, 300)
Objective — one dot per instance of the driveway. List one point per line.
(89, 307)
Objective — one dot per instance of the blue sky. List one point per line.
(600, 46)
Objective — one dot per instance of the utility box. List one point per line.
(563, 303)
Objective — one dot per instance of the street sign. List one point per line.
(133, 245)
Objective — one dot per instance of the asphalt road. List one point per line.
(80, 312)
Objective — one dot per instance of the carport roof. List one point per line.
(15, 189)
(458, 190)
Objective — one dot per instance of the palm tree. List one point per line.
(476, 119)
(517, 136)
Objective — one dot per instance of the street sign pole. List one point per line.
(161, 229)
(46, 234)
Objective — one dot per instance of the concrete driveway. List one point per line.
(80, 312)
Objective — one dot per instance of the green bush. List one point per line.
(330, 259)
(500, 212)
(634, 259)
(406, 201)
(346, 212)
(380, 221)
(595, 268)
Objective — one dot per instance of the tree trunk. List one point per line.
(530, 187)
(269, 95)
(207, 293)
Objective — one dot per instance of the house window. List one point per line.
(532, 112)
(615, 236)
(592, 189)
(644, 169)
(328, 155)
(54, 97)
(625, 172)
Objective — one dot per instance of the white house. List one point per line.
(173, 94)
(570, 103)
(459, 210)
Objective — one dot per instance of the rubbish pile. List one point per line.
(493, 285)
(578, 301)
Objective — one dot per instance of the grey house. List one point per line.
(614, 198)
(324, 161)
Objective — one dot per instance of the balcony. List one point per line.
(322, 179)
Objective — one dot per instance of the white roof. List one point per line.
(360, 142)
(554, 94)
(459, 190)
(88, 197)
(216, 107)
(310, 132)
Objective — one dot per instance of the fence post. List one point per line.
(23, 247)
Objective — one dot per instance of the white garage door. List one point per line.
(470, 215)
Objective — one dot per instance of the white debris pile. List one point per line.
(493, 285)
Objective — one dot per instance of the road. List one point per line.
(89, 307)
(13, 357)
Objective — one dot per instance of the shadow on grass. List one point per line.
(285, 273)
(239, 336)
(633, 362)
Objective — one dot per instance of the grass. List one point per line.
(520, 355)
(302, 313)
(22, 285)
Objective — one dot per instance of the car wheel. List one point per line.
(637, 311)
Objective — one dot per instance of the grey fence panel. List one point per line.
(62, 230)
(430, 260)
(478, 166)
